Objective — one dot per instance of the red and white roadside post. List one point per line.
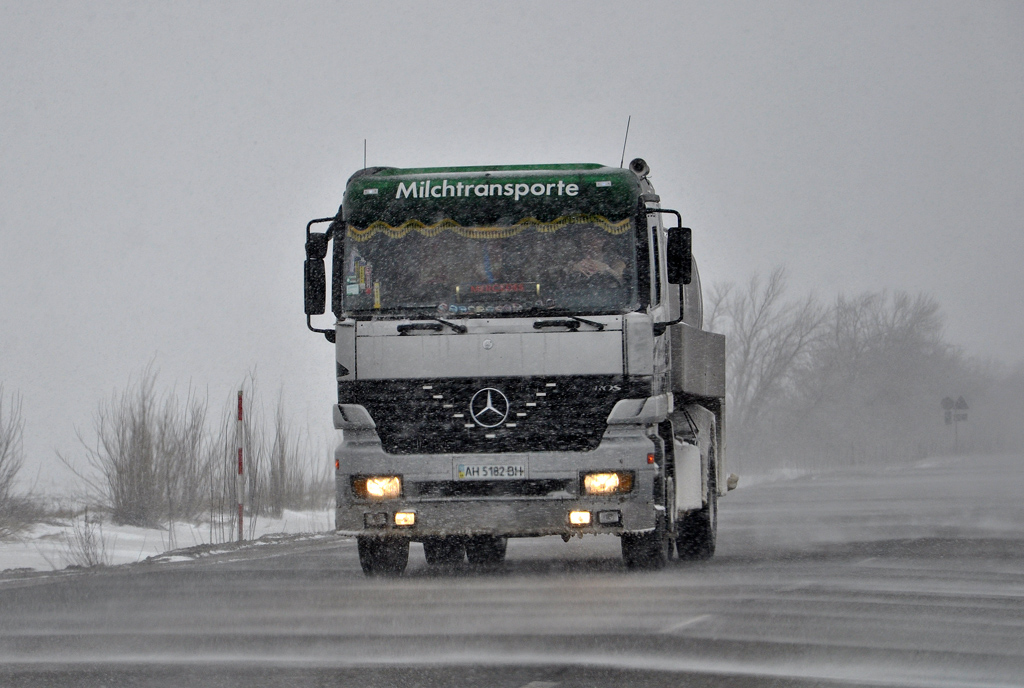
(239, 481)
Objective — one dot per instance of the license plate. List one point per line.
(510, 471)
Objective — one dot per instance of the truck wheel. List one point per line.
(486, 550)
(698, 530)
(383, 556)
(646, 550)
(444, 551)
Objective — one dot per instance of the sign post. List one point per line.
(947, 407)
(959, 416)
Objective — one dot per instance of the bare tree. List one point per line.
(149, 454)
(857, 382)
(12, 459)
(124, 452)
(768, 340)
(220, 475)
(279, 459)
(155, 458)
(255, 452)
(872, 388)
(181, 437)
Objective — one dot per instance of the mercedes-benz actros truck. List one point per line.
(519, 352)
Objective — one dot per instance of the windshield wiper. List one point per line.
(408, 327)
(461, 329)
(599, 326)
(570, 321)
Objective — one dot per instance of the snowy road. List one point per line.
(908, 576)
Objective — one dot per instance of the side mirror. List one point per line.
(680, 256)
(315, 275)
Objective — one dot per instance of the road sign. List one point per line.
(960, 411)
(955, 412)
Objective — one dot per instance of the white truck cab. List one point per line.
(520, 352)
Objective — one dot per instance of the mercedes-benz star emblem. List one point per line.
(489, 407)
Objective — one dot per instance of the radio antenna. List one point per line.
(364, 154)
(621, 160)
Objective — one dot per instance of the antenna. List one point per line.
(621, 160)
(364, 153)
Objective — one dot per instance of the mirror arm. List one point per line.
(679, 218)
(329, 335)
(330, 230)
(660, 327)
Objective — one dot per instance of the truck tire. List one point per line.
(698, 530)
(652, 550)
(486, 550)
(387, 556)
(444, 551)
(648, 551)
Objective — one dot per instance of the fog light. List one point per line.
(377, 487)
(579, 518)
(405, 518)
(378, 520)
(607, 483)
(609, 518)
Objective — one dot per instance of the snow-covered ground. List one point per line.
(47, 547)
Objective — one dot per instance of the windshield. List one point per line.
(485, 241)
(574, 267)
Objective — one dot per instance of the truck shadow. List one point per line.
(532, 567)
(902, 549)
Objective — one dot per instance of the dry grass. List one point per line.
(85, 545)
(156, 460)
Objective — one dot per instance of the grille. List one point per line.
(435, 417)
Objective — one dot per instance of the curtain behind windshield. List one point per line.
(572, 264)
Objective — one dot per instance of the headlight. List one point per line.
(377, 487)
(610, 482)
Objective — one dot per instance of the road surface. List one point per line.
(902, 576)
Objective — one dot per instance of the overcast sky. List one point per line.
(158, 162)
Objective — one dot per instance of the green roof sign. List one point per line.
(489, 201)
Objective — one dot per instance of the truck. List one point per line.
(520, 352)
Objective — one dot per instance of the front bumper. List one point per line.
(530, 513)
